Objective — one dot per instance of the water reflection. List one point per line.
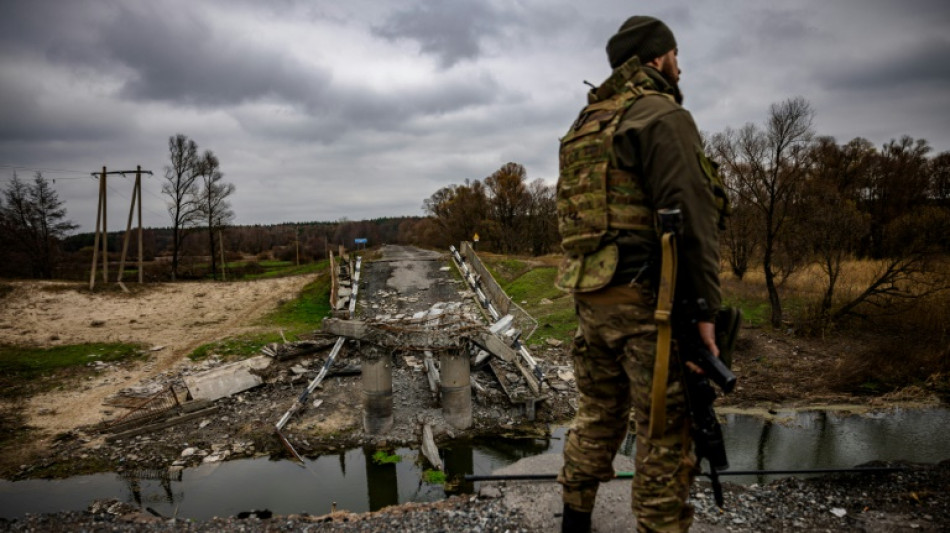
(823, 439)
(356, 483)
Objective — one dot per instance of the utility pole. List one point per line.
(101, 218)
(221, 246)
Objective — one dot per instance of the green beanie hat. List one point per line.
(644, 37)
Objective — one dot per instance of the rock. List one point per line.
(188, 452)
(550, 341)
(489, 492)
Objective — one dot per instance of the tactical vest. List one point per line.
(594, 196)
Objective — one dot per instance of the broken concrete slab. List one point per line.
(227, 379)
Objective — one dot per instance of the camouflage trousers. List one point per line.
(614, 351)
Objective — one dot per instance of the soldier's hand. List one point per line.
(707, 333)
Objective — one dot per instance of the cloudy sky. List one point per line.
(320, 109)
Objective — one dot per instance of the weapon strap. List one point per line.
(664, 339)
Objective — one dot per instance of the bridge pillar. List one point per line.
(456, 388)
(377, 370)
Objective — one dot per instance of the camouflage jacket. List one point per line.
(658, 141)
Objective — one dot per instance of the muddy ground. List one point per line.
(64, 434)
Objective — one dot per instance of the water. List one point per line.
(814, 439)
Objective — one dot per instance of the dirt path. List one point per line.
(170, 319)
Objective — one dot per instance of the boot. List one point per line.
(575, 521)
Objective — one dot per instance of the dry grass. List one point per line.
(902, 343)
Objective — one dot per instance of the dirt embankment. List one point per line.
(171, 320)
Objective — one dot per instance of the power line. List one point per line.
(50, 170)
(124, 197)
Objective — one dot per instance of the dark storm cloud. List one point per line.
(451, 31)
(162, 52)
(363, 109)
(924, 64)
(185, 59)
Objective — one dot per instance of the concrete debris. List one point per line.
(227, 379)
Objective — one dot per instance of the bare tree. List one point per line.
(214, 209)
(765, 168)
(33, 222)
(181, 186)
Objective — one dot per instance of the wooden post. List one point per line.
(128, 231)
(138, 190)
(105, 230)
(95, 246)
(221, 243)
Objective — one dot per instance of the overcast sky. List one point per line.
(320, 110)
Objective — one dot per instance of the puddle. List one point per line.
(804, 440)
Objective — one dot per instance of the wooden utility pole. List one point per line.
(136, 199)
(100, 219)
(104, 233)
(221, 243)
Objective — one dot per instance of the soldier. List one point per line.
(632, 151)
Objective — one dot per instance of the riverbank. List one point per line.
(915, 500)
(777, 372)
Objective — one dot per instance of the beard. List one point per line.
(671, 74)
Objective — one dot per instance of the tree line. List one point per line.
(510, 214)
(798, 199)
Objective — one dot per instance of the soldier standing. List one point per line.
(632, 151)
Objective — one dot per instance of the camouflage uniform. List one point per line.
(613, 354)
(656, 157)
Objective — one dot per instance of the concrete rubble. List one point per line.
(226, 380)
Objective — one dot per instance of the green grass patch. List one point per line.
(558, 321)
(295, 317)
(308, 309)
(534, 285)
(382, 457)
(434, 477)
(24, 366)
(503, 269)
(754, 312)
(240, 347)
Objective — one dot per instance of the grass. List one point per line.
(21, 366)
(295, 317)
(382, 457)
(534, 285)
(532, 282)
(434, 477)
(240, 347)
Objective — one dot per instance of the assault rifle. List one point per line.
(700, 394)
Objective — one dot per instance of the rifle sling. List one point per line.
(664, 339)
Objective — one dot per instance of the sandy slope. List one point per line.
(171, 319)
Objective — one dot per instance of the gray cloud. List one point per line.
(451, 31)
(924, 64)
(364, 108)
